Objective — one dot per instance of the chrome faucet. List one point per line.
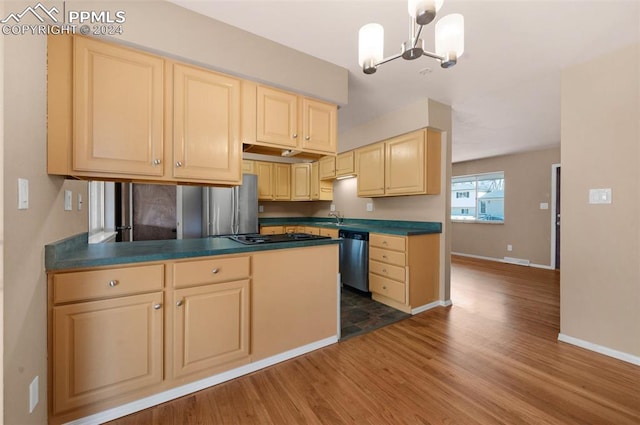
(336, 214)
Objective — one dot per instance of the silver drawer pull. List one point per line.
(307, 138)
(384, 270)
(384, 256)
(215, 271)
(113, 283)
(179, 303)
(179, 164)
(157, 306)
(384, 287)
(157, 162)
(384, 243)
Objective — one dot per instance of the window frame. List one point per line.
(478, 202)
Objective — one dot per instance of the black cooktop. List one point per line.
(254, 239)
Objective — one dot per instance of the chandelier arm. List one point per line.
(389, 59)
(433, 55)
(416, 38)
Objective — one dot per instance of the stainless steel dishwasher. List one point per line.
(354, 259)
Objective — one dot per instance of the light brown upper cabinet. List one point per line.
(275, 120)
(119, 113)
(117, 109)
(301, 182)
(206, 126)
(345, 164)
(404, 165)
(277, 117)
(370, 166)
(321, 190)
(274, 181)
(327, 167)
(319, 121)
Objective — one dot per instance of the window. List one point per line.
(478, 198)
(101, 211)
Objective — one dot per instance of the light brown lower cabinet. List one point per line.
(102, 349)
(119, 334)
(210, 327)
(404, 270)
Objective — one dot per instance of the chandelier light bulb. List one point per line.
(450, 37)
(423, 11)
(370, 45)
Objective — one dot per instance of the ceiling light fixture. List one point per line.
(449, 38)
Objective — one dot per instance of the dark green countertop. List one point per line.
(76, 252)
(393, 227)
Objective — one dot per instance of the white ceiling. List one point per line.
(505, 90)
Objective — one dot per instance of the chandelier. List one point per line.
(449, 37)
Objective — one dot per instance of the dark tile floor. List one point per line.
(360, 314)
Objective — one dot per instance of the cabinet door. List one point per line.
(118, 110)
(327, 167)
(281, 182)
(206, 126)
(210, 326)
(264, 170)
(315, 181)
(370, 170)
(319, 126)
(345, 164)
(271, 230)
(300, 182)
(277, 117)
(405, 164)
(248, 167)
(103, 349)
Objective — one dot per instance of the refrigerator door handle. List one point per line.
(236, 210)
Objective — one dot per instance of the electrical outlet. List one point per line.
(260, 208)
(332, 207)
(369, 206)
(509, 247)
(33, 394)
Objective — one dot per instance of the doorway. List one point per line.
(555, 216)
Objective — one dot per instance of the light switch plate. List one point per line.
(260, 208)
(369, 206)
(600, 196)
(23, 194)
(68, 197)
(544, 206)
(332, 207)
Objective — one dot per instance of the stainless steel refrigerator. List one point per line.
(231, 211)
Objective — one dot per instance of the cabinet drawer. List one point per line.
(107, 283)
(387, 287)
(386, 256)
(387, 270)
(190, 273)
(396, 243)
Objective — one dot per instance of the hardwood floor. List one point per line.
(491, 358)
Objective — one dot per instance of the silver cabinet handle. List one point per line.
(215, 271)
(179, 303)
(157, 162)
(157, 306)
(179, 164)
(384, 270)
(384, 256)
(113, 283)
(384, 287)
(384, 243)
(307, 138)
(294, 135)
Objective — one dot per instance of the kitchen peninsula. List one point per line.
(135, 324)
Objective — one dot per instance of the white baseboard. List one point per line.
(429, 306)
(154, 400)
(500, 260)
(626, 357)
